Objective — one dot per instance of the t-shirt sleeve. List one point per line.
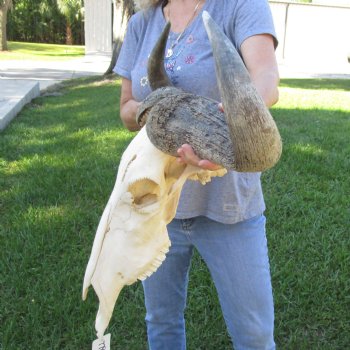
(253, 17)
(128, 51)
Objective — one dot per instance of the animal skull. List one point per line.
(131, 239)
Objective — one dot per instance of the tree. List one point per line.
(41, 21)
(72, 10)
(123, 9)
(52, 22)
(5, 5)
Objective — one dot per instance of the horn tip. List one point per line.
(209, 23)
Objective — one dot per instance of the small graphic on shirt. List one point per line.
(190, 39)
(189, 59)
(229, 207)
(170, 68)
(169, 65)
(144, 81)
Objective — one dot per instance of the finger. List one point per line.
(180, 158)
(221, 107)
(208, 165)
(188, 155)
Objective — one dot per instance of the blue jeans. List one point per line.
(237, 258)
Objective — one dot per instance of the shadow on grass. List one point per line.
(317, 84)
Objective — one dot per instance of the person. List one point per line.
(224, 219)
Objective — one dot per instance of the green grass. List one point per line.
(308, 195)
(42, 52)
(58, 161)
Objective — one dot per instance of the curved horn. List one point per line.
(156, 73)
(253, 132)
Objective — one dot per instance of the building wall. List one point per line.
(305, 31)
(310, 32)
(98, 26)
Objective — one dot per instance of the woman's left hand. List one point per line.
(187, 156)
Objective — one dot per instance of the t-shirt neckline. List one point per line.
(194, 21)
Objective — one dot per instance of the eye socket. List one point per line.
(145, 200)
(145, 193)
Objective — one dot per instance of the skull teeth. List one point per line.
(154, 264)
(142, 277)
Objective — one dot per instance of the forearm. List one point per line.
(266, 84)
(128, 114)
(128, 106)
(259, 57)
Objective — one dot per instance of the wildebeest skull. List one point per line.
(131, 240)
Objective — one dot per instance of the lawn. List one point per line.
(42, 52)
(58, 161)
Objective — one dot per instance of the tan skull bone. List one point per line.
(131, 240)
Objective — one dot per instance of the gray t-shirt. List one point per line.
(236, 196)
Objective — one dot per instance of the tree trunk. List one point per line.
(123, 9)
(69, 34)
(3, 21)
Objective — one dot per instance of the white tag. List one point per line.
(102, 344)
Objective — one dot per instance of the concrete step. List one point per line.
(14, 95)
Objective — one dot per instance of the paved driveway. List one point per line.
(48, 72)
(21, 81)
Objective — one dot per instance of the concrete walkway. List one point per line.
(304, 69)
(21, 81)
(14, 94)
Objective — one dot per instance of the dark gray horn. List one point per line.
(156, 72)
(253, 132)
